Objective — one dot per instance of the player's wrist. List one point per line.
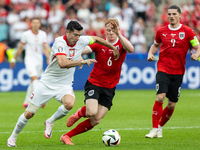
(13, 60)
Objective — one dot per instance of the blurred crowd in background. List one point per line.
(134, 16)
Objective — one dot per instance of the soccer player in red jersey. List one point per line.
(101, 83)
(174, 41)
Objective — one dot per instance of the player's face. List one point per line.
(35, 24)
(111, 36)
(173, 16)
(73, 37)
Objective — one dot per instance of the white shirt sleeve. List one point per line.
(23, 38)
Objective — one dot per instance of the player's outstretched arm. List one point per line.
(101, 41)
(65, 63)
(19, 51)
(152, 51)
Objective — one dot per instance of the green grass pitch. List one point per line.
(130, 115)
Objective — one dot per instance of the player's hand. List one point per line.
(81, 66)
(88, 61)
(116, 53)
(151, 57)
(12, 65)
(113, 26)
(194, 56)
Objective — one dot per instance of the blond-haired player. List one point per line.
(102, 81)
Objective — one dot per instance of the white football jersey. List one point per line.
(56, 76)
(34, 45)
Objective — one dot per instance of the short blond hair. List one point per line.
(112, 20)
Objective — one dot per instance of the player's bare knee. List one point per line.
(69, 106)
(90, 113)
(160, 97)
(171, 105)
(94, 121)
(28, 114)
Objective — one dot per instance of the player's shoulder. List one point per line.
(41, 32)
(60, 39)
(186, 27)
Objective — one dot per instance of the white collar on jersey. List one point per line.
(174, 28)
(114, 42)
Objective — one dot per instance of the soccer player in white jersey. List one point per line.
(35, 45)
(58, 77)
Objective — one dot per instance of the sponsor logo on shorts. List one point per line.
(91, 92)
(157, 87)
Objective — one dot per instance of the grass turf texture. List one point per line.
(130, 116)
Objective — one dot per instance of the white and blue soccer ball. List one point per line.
(111, 138)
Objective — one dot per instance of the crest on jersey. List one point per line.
(71, 52)
(181, 35)
(117, 47)
(60, 49)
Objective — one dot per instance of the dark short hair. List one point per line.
(74, 25)
(175, 7)
(35, 18)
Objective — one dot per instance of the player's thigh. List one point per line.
(175, 88)
(162, 82)
(41, 95)
(65, 94)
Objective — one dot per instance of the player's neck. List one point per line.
(175, 25)
(35, 31)
(112, 41)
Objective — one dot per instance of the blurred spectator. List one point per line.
(140, 8)
(98, 24)
(41, 12)
(109, 5)
(3, 48)
(3, 30)
(18, 28)
(139, 42)
(55, 17)
(3, 11)
(83, 13)
(27, 11)
(139, 25)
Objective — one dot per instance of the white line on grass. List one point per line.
(172, 128)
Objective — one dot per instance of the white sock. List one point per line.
(61, 112)
(34, 84)
(21, 123)
(28, 93)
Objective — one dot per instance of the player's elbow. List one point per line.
(130, 50)
(61, 64)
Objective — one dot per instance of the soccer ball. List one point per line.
(111, 137)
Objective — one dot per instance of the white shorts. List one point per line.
(34, 69)
(42, 94)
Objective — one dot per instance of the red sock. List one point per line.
(80, 128)
(167, 113)
(157, 113)
(82, 112)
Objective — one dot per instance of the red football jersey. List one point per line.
(106, 72)
(173, 50)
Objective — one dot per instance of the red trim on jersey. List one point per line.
(60, 54)
(57, 55)
(53, 58)
(65, 38)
